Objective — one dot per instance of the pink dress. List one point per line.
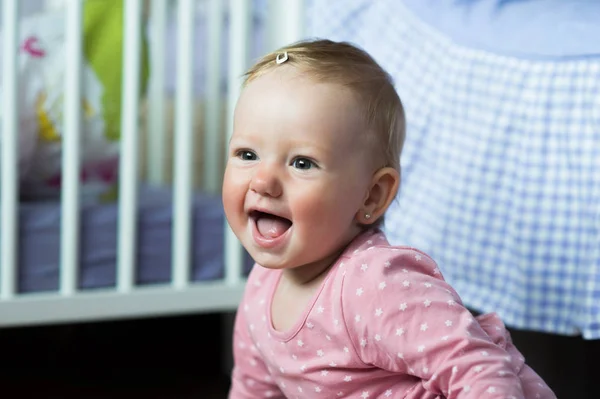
(384, 324)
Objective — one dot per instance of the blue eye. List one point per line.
(303, 163)
(246, 155)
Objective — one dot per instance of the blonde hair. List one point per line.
(351, 67)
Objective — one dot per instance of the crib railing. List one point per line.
(8, 248)
(181, 295)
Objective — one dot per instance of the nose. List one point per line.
(266, 182)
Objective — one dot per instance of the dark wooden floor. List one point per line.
(177, 358)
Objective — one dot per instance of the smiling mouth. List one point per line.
(270, 226)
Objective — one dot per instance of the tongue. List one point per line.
(272, 226)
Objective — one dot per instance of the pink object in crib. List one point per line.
(104, 171)
(29, 46)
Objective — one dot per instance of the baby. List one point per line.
(331, 310)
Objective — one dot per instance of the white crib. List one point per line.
(127, 299)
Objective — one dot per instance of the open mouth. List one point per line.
(270, 226)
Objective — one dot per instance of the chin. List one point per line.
(269, 260)
(269, 263)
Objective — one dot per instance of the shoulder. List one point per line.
(376, 269)
(372, 257)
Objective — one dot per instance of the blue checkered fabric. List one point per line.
(501, 169)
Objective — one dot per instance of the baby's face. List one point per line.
(298, 170)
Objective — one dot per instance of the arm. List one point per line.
(412, 322)
(250, 378)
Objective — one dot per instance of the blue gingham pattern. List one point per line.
(501, 169)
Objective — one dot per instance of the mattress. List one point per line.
(39, 242)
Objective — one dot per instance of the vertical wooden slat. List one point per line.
(182, 196)
(127, 235)
(70, 158)
(286, 22)
(10, 149)
(239, 46)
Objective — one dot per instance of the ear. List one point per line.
(383, 190)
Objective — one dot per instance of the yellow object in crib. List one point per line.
(46, 125)
(103, 50)
(103, 28)
(44, 51)
(47, 130)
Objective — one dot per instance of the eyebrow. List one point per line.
(296, 143)
(308, 144)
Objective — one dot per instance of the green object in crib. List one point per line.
(103, 49)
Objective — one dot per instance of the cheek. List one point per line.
(233, 193)
(327, 207)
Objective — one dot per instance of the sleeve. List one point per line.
(250, 377)
(403, 317)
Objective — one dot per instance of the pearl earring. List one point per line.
(367, 216)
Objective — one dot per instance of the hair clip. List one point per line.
(281, 57)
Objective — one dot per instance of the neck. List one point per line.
(316, 271)
(312, 272)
